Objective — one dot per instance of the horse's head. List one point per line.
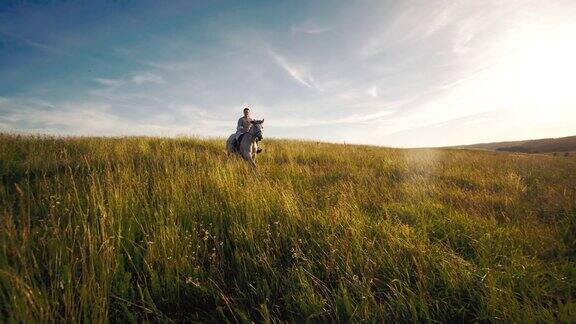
(256, 129)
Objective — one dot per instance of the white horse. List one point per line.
(248, 146)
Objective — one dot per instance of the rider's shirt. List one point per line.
(244, 124)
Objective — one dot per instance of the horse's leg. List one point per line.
(253, 163)
(254, 151)
(247, 154)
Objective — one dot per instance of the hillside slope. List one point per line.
(546, 145)
(151, 229)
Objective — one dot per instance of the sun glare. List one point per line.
(543, 66)
(533, 74)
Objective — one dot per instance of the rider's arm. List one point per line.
(240, 125)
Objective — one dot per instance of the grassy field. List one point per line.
(153, 229)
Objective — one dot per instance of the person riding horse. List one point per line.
(243, 127)
(244, 141)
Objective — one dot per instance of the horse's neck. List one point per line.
(249, 137)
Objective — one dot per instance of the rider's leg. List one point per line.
(236, 144)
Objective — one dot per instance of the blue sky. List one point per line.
(394, 73)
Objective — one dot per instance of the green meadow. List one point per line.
(140, 229)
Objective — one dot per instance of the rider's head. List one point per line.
(246, 112)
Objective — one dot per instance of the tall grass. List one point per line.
(152, 229)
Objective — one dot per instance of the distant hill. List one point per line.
(546, 145)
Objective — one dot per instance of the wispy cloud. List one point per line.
(373, 91)
(298, 73)
(32, 43)
(138, 78)
(348, 120)
(100, 118)
(110, 82)
(37, 114)
(172, 65)
(309, 28)
(147, 77)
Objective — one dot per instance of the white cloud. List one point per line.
(98, 118)
(138, 78)
(348, 120)
(309, 28)
(173, 65)
(372, 91)
(147, 77)
(110, 82)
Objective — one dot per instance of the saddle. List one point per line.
(237, 142)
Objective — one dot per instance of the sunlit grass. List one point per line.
(134, 229)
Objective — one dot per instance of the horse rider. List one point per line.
(243, 126)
